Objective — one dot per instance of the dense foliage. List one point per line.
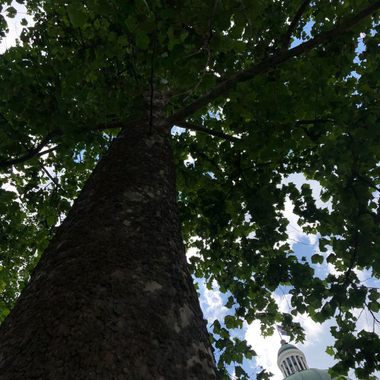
(271, 87)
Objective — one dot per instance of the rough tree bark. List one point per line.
(112, 297)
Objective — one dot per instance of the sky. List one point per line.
(318, 336)
(14, 27)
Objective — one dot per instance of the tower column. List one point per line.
(290, 359)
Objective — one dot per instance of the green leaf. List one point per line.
(86, 68)
(142, 41)
(11, 12)
(240, 373)
(317, 259)
(76, 14)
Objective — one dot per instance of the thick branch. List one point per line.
(270, 63)
(199, 128)
(116, 124)
(46, 151)
(301, 10)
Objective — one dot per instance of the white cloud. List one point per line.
(14, 26)
(312, 329)
(299, 179)
(317, 338)
(294, 231)
(212, 302)
(9, 187)
(191, 252)
(266, 349)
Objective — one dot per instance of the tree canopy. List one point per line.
(262, 89)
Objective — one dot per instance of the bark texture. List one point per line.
(112, 297)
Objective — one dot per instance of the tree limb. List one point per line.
(206, 46)
(198, 128)
(54, 180)
(372, 313)
(313, 121)
(37, 150)
(270, 63)
(115, 124)
(301, 10)
(46, 151)
(34, 152)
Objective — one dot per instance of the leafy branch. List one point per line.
(31, 153)
(38, 151)
(369, 182)
(372, 313)
(45, 141)
(271, 63)
(53, 179)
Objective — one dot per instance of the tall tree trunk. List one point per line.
(112, 297)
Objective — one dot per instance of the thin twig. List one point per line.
(54, 180)
(206, 46)
(372, 313)
(198, 128)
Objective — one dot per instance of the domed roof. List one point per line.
(286, 346)
(310, 374)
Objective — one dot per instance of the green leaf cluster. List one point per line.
(85, 68)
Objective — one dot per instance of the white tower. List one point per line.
(293, 365)
(290, 359)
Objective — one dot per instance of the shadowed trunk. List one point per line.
(112, 297)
